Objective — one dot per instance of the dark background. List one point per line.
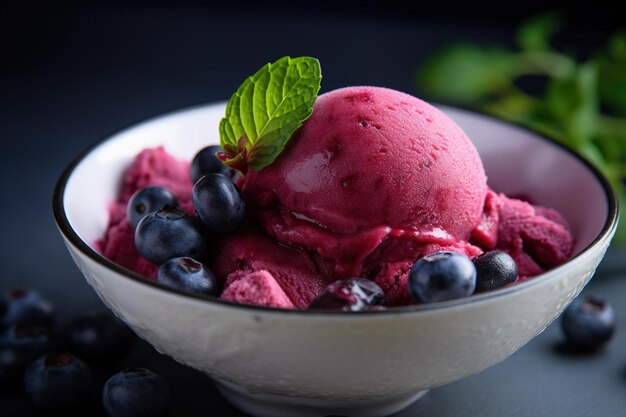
(72, 73)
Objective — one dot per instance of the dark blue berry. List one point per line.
(354, 294)
(441, 276)
(494, 269)
(169, 233)
(148, 200)
(136, 392)
(205, 162)
(588, 323)
(25, 307)
(57, 382)
(99, 337)
(187, 274)
(218, 202)
(30, 341)
(11, 366)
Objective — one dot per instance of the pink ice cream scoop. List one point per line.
(151, 167)
(371, 166)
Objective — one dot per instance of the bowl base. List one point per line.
(273, 405)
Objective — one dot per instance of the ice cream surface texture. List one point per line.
(371, 164)
(373, 180)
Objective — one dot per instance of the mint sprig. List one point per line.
(265, 111)
(582, 104)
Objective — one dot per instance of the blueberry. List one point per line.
(169, 233)
(57, 382)
(205, 162)
(588, 323)
(136, 392)
(494, 269)
(27, 307)
(218, 202)
(99, 337)
(148, 200)
(441, 276)
(354, 294)
(11, 365)
(187, 274)
(30, 341)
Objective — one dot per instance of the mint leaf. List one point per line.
(266, 110)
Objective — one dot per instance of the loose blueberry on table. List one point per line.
(30, 341)
(136, 392)
(11, 365)
(187, 274)
(24, 306)
(99, 336)
(442, 276)
(148, 200)
(588, 323)
(169, 233)
(57, 382)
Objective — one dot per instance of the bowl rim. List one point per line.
(68, 232)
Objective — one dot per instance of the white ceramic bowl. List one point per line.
(271, 362)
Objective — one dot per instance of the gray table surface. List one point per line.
(104, 66)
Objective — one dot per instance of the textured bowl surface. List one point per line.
(340, 357)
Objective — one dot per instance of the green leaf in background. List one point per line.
(612, 66)
(265, 111)
(617, 46)
(464, 73)
(514, 107)
(583, 104)
(535, 34)
(517, 107)
(591, 151)
(573, 101)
